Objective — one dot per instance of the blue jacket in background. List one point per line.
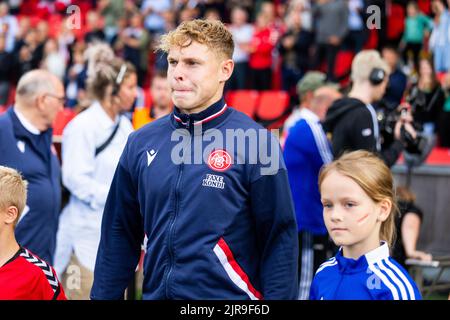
(374, 276)
(306, 150)
(211, 234)
(32, 156)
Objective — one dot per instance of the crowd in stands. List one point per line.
(276, 43)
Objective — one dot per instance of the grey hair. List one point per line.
(104, 69)
(34, 83)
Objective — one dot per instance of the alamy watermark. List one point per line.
(237, 146)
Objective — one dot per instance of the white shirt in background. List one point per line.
(88, 178)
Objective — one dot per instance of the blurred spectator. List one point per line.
(204, 8)
(6, 69)
(444, 118)
(357, 31)
(92, 144)
(186, 14)
(136, 40)
(66, 40)
(247, 5)
(397, 78)
(153, 11)
(42, 32)
(14, 6)
(53, 60)
(306, 151)
(212, 14)
(304, 8)
(260, 60)
(117, 41)
(331, 26)
(311, 81)
(269, 9)
(112, 11)
(161, 105)
(417, 26)
(26, 145)
(242, 35)
(408, 224)
(440, 37)
(71, 80)
(426, 97)
(294, 49)
(29, 54)
(24, 27)
(95, 27)
(8, 27)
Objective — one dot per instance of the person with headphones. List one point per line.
(91, 147)
(352, 122)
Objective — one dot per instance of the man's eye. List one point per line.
(172, 63)
(327, 205)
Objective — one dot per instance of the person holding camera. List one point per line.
(352, 121)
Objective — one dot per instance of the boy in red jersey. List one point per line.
(23, 276)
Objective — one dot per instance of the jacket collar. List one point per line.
(348, 265)
(22, 130)
(208, 118)
(25, 123)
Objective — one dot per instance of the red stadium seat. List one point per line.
(441, 77)
(438, 157)
(372, 39)
(61, 120)
(244, 101)
(343, 65)
(272, 105)
(396, 22)
(424, 6)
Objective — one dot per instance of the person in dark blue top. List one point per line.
(206, 185)
(26, 145)
(359, 212)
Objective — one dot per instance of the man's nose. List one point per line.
(178, 72)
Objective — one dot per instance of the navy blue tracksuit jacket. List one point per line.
(216, 230)
(31, 155)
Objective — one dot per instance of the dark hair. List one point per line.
(160, 74)
(430, 61)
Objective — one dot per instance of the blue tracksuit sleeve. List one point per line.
(121, 236)
(273, 210)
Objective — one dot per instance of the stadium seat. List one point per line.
(343, 65)
(61, 120)
(372, 39)
(244, 101)
(3, 109)
(441, 77)
(396, 22)
(272, 106)
(424, 6)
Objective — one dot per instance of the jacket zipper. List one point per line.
(172, 223)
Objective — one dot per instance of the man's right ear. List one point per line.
(12, 213)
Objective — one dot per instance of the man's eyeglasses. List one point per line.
(61, 100)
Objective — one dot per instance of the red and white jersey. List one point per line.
(27, 277)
